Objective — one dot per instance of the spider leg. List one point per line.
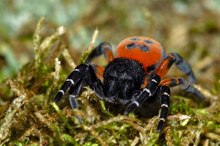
(99, 70)
(94, 82)
(168, 61)
(83, 73)
(189, 88)
(171, 81)
(143, 95)
(164, 95)
(104, 48)
(154, 80)
(75, 76)
(184, 67)
(73, 94)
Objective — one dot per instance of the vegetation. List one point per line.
(37, 54)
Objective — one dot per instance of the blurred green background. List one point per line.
(191, 28)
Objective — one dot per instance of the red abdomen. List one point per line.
(145, 50)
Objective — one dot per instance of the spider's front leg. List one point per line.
(83, 73)
(164, 95)
(143, 95)
(152, 88)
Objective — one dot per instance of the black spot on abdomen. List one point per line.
(131, 46)
(148, 41)
(144, 48)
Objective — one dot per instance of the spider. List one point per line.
(133, 80)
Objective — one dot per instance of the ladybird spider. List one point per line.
(131, 79)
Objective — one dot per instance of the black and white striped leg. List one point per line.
(140, 98)
(165, 103)
(184, 67)
(83, 73)
(71, 80)
(73, 94)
